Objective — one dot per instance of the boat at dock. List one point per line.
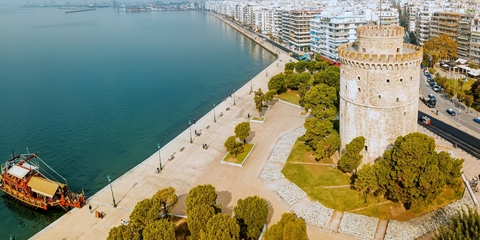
(29, 180)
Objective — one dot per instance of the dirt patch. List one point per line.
(181, 228)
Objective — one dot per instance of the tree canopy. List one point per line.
(232, 146)
(167, 199)
(202, 194)
(366, 180)
(465, 225)
(322, 99)
(277, 83)
(290, 66)
(258, 99)
(439, 47)
(221, 227)
(321, 137)
(413, 171)
(251, 214)
(161, 229)
(288, 228)
(198, 218)
(352, 158)
(242, 130)
(122, 232)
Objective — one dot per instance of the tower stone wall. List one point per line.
(379, 88)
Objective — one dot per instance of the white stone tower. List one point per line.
(379, 88)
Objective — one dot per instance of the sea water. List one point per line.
(94, 92)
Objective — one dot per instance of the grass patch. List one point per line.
(313, 179)
(258, 118)
(290, 96)
(240, 157)
(314, 176)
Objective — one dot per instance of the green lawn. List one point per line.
(240, 157)
(289, 96)
(258, 118)
(313, 179)
(466, 85)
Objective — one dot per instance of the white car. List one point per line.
(436, 88)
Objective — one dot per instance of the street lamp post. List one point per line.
(234, 103)
(159, 157)
(251, 87)
(190, 123)
(214, 117)
(113, 197)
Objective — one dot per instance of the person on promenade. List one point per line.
(248, 115)
(90, 208)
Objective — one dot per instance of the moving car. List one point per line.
(451, 112)
(476, 119)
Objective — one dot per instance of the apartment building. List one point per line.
(456, 26)
(411, 11)
(422, 30)
(329, 30)
(475, 41)
(296, 28)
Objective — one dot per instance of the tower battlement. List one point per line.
(349, 53)
(380, 31)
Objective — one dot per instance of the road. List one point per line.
(462, 140)
(462, 117)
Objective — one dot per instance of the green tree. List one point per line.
(288, 228)
(290, 66)
(349, 161)
(221, 227)
(242, 130)
(439, 47)
(233, 147)
(298, 79)
(352, 158)
(366, 180)
(321, 137)
(202, 194)
(167, 199)
(450, 92)
(268, 97)
(468, 100)
(122, 232)
(277, 83)
(464, 225)
(475, 89)
(411, 171)
(251, 214)
(258, 99)
(198, 218)
(311, 66)
(322, 98)
(302, 90)
(145, 212)
(301, 66)
(161, 229)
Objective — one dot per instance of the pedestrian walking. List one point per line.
(90, 208)
(248, 115)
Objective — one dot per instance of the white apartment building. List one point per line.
(475, 41)
(296, 28)
(328, 30)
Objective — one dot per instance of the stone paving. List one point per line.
(358, 225)
(317, 215)
(290, 193)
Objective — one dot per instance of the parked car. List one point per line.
(432, 83)
(436, 88)
(476, 119)
(451, 112)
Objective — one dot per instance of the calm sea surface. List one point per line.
(94, 92)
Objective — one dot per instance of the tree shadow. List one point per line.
(181, 206)
(270, 211)
(251, 135)
(224, 198)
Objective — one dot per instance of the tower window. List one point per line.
(366, 148)
(388, 80)
(411, 78)
(379, 96)
(401, 79)
(397, 99)
(404, 113)
(398, 50)
(358, 78)
(359, 89)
